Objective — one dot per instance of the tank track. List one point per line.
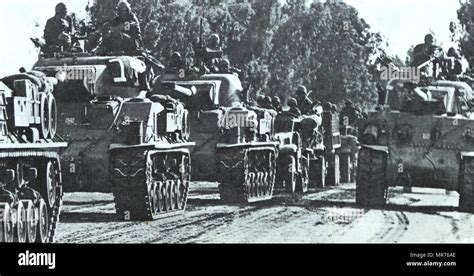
(466, 198)
(371, 186)
(247, 175)
(31, 197)
(150, 184)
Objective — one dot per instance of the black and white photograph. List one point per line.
(237, 122)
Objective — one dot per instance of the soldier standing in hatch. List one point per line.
(293, 105)
(121, 34)
(276, 103)
(305, 105)
(453, 66)
(127, 22)
(348, 116)
(59, 29)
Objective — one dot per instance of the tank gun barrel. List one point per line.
(179, 90)
(189, 92)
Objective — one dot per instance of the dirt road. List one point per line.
(322, 216)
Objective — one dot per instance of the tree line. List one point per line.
(326, 46)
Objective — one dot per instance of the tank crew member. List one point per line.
(304, 103)
(276, 103)
(176, 62)
(59, 29)
(260, 101)
(348, 116)
(294, 110)
(122, 34)
(267, 103)
(127, 22)
(213, 53)
(453, 66)
(317, 108)
(425, 52)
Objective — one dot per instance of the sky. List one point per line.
(403, 22)
(19, 21)
(406, 22)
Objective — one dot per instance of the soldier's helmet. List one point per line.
(301, 90)
(225, 63)
(214, 40)
(349, 103)
(176, 56)
(61, 9)
(292, 103)
(260, 100)
(124, 6)
(327, 106)
(175, 59)
(429, 39)
(452, 53)
(267, 101)
(276, 101)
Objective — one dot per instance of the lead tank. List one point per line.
(424, 137)
(120, 139)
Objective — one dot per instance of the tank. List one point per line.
(31, 188)
(235, 145)
(120, 139)
(301, 152)
(422, 138)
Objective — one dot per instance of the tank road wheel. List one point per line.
(161, 187)
(154, 198)
(303, 177)
(371, 186)
(48, 184)
(169, 195)
(466, 194)
(261, 184)
(44, 116)
(20, 223)
(290, 179)
(177, 192)
(31, 221)
(43, 222)
(52, 116)
(6, 224)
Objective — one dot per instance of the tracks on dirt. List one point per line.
(309, 218)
